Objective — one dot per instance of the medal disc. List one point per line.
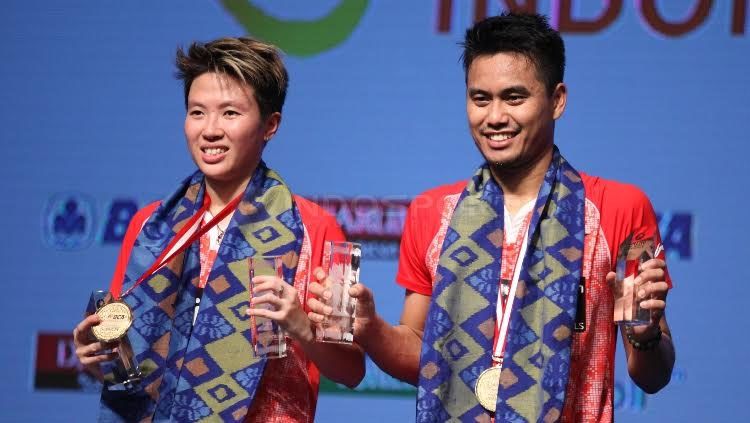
(486, 387)
(116, 319)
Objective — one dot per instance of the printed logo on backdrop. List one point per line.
(299, 37)
(69, 222)
(376, 223)
(73, 222)
(587, 17)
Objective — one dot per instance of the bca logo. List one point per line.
(68, 222)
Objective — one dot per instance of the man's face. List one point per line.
(511, 115)
(224, 129)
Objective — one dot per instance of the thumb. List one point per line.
(611, 278)
(362, 293)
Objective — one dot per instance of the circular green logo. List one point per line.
(300, 37)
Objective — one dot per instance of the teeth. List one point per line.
(214, 151)
(500, 137)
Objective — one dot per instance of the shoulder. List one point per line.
(613, 194)
(313, 215)
(138, 220)
(442, 191)
(128, 241)
(433, 201)
(145, 212)
(420, 240)
(622, 209)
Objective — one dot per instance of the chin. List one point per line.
(213, 174)
(504, 160)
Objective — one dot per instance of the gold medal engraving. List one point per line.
(116, 319)
(486, 387)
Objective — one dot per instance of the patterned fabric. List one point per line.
(205, 371)
(589, 396)
(590, 392)
(460, 325)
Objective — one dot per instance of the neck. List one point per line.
(521, 184)
(223, 192)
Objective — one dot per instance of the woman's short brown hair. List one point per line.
(250, 61)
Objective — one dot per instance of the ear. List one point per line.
(559, 99)
(271, 126)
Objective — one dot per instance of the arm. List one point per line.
(634, 215)
(90, 352)
(339, 362)
(651, 370)
(395, 349)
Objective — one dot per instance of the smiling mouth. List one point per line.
(214, 151)
(500, 137)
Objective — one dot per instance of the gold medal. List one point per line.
(486, 387)
(116, 320)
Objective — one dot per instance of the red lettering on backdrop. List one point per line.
(675, 29)
(445, 10)
(529, 6)
(563, 20)
(480, 10)
(739, 14)
(368, 219)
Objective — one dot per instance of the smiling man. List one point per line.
(508, 311)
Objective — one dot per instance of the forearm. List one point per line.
(339, 362)
(395, 349)
(651, 370)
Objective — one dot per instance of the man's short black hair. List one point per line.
(526, 34)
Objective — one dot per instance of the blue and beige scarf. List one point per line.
(206, 370)
(459, 332)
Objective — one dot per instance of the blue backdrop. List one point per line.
(90, 111)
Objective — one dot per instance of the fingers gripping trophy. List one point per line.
(114, 318)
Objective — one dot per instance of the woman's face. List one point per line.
(224, 128)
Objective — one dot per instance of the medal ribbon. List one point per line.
(512, 254)
(170, 252)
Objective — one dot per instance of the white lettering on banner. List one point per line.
(66, 357)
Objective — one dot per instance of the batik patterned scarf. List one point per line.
(459, 331)
(206, 371)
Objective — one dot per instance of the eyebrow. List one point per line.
(475, 91)
(515, 89)
(221, 105)
(229, 104)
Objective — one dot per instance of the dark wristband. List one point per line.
(646, 345)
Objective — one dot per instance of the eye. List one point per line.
(480, 100)
(515, 99)
(231, 113)
(195, 113)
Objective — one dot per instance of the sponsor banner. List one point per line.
(56, 365)
(72, 221)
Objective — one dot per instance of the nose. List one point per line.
(497, 114)
(213, 130)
